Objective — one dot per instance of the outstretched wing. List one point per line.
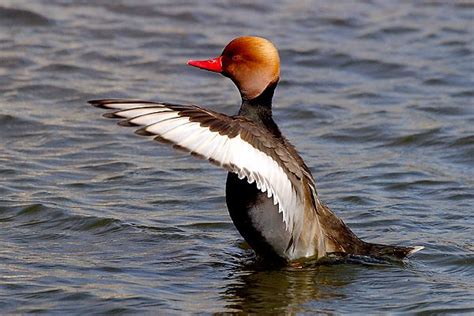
(232, 142)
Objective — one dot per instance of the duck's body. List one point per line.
(270, 192)
(254, 214)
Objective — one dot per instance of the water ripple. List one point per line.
(96, 220)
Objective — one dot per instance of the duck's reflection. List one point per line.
(284, 290)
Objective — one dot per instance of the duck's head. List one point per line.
(251, 62)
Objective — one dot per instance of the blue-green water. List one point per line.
(376, 95)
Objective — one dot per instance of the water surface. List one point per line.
(376, 95)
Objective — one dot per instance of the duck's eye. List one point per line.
(236, 58)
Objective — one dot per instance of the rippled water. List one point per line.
(376, 95)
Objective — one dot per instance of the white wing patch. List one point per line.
(234, 154)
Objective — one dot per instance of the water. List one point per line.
(377, 96)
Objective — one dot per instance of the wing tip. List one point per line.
(111, 115)
(102, 103)
(99, 103)
(143, 132)
(125, 123)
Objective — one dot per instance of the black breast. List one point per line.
(241, 196)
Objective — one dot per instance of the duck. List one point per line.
(270, 192)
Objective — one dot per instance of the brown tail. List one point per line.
(344, 240)
(387, 251)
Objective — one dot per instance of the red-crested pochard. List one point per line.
(270, 192)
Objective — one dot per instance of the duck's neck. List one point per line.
(259, 110)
